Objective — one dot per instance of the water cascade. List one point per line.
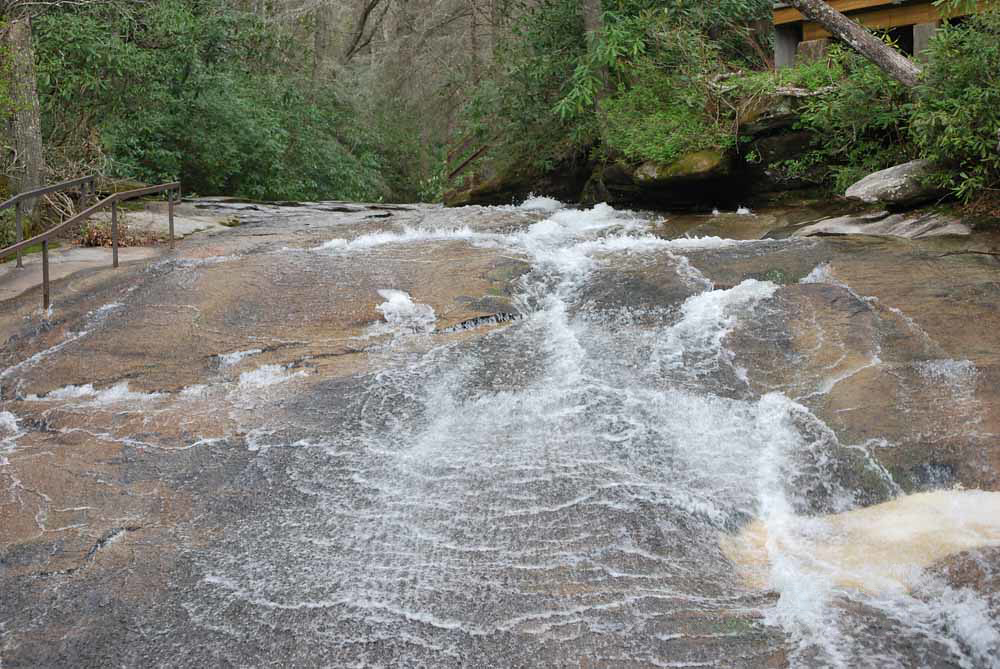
(601, 481)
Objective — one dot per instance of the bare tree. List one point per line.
(891, 61)
(366, 26)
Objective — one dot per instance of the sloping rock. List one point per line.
(910, 226)
(899, 186)
(154, 221)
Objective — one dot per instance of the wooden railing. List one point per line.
(88, 188)
(112, 200)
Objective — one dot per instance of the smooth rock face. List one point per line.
(907, 226)
(365, 435)
(898, 186)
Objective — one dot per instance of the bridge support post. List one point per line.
(114, 234)
(20, 232)
(923, 33)
(170, 216)
(45, 274)
(786, 44)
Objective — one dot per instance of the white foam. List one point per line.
(568, 223)
(953, 372)
(9, 432)
(403, 315)
(102, 312)
(705, 243)
(409, 235)
(268, 375)
(119, 392)
(230, 359)
(968, 615)
(540, 203)
(8, 424)
(820, 274)
(197, 390)
(695, 342)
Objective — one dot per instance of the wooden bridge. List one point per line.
(912, 23)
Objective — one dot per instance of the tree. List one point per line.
(889, 60)
(24, 161)
(593, 25)
(592, 20)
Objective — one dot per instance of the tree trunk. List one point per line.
(367, 21)
(24, 128)
(892, 62)
(593, 23)
(474, 41)
(323, 57)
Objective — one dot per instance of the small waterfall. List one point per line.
(585, 480)
(576, 479)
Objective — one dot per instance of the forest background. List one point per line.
(379, 99)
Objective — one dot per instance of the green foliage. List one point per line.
(8, 234)
(536, 69)
(667, 110)
(814, 76)
(6, 96)
(861, 121)
(639, 89)
(956, 117)
(194, 90)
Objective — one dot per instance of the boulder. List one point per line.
(897, 187)
(770, 114)
(697, 166)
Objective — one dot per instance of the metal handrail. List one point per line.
(113, 200)
(45, 190)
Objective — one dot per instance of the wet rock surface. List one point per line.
(345, 434)
(917, 225)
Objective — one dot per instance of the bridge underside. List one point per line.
(911, 24)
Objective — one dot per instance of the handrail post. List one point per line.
(45, 274)
(20, 232)
(170, 215)
(114, 233)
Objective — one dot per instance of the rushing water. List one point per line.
(593, 484)
(555, 493)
